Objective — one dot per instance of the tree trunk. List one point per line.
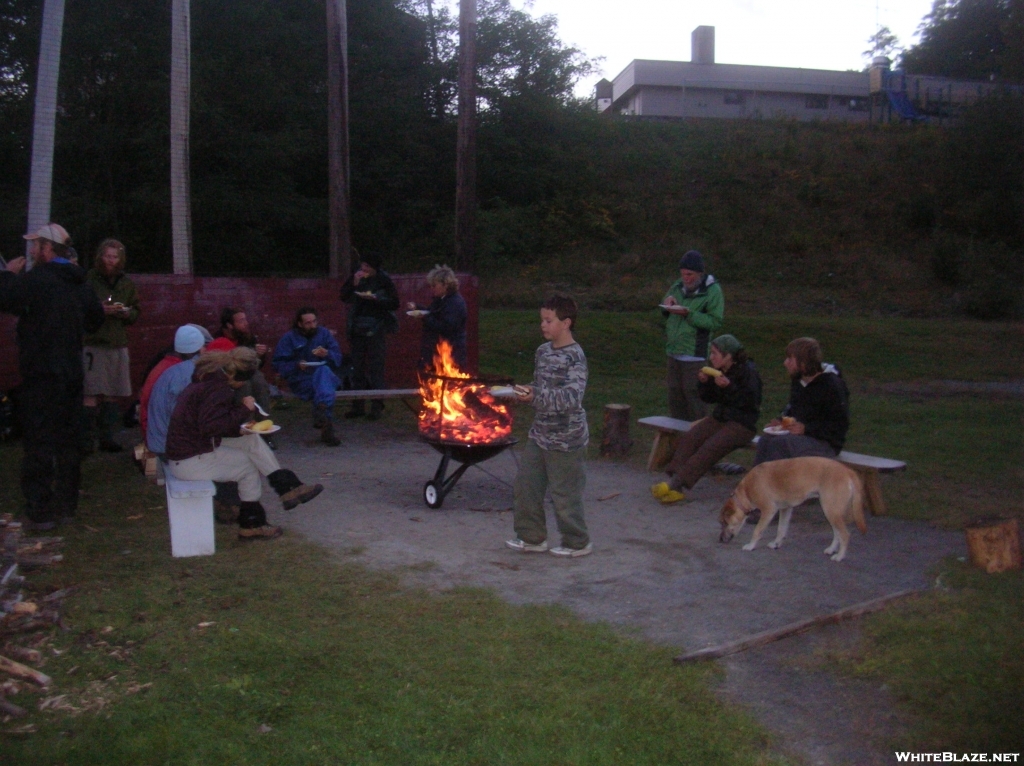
(340, 264)
(616, 441)
(44, 124)
(994, 544)
(465, 148)
(181, 185)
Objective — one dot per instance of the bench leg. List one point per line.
(872, 491)
(662, 450)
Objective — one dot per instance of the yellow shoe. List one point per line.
(660, 490)
(671, 497)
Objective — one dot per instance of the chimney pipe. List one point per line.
(702, 45)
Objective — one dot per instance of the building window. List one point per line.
(814, 101)
(858, 104)
(735, 97)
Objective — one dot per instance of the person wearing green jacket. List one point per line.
(105, 353)
(694, 308)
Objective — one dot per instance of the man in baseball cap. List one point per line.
(189, 342)
(55, 307)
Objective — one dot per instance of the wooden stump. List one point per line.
(994, 543)
(616, 441)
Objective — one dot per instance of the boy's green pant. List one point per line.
(564, 475)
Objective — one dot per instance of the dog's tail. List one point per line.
(857, 502)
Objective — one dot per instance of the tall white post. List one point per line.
(44, 123)
(181, 194)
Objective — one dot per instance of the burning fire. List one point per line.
(458, 407)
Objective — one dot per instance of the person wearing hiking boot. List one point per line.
(373, 299)
(735, 389)
(55, 308)
(105, 356)
(234, 331)
(694, 308)
(818, 414)
(308, 358)
(554, 458)
(204, 441)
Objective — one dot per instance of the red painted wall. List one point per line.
(169, 301)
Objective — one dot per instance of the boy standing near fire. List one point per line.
(556, 451)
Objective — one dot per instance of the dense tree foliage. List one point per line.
(970, 39)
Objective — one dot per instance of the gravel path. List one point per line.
(656, 572)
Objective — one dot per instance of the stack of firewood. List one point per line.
(19, 615)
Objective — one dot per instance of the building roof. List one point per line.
(684, 74)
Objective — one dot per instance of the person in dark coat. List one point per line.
(818, 414)
(372, 300)
(55, 308)
(736, 394)
(445, 318)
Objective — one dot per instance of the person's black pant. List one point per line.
(51, 467)
(368, 361)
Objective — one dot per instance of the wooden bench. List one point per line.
(190, 511)
(667, 430)
(405, 394)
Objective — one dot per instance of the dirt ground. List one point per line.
(657, 573)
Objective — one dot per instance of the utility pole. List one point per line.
(181, 183)
(465, 147)
(337, 140)
(44, 123)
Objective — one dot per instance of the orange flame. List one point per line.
(457, 411)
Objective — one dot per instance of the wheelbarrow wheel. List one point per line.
(432, 495)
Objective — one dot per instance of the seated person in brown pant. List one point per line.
(736, 394)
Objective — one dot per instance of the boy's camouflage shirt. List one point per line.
(559, 380)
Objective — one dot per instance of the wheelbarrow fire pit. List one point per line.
(461, 419)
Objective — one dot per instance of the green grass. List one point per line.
(953, 658)
(963, 452)
(343, 665)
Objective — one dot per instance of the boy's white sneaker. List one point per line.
(561, 550)
(523, 547)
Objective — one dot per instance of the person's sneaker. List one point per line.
(523, 547)
(266, 532)
(301, 494)
(660, 489)
(672, 496)
(728, 469)
(327, 435)
(572, 553)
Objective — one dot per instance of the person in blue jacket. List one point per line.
(308, 358)
(445, 318)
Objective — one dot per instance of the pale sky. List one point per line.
(812, 34)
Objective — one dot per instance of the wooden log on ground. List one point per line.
(770, 636)
(23, 654)
(24, 672)
(994, 543)
(616, 441)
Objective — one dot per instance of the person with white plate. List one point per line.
(815, 422)
(444, 319)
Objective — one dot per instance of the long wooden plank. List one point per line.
(770, 636)
(379, 393)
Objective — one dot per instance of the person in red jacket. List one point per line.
(204, 441)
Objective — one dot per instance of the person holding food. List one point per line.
(309, 358)
(694, 308)
(205, 441)
(816, 420)
(372, 299)
(733, 385)
(444, 319)
(105, 356)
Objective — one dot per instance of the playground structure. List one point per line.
(898, 96)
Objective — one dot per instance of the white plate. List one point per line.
(314, 364)
(272, 430)
(417, 313)
(775, 430)
(669, 308)
(365, 294)
(503, 391)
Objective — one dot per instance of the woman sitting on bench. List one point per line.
(736, 393)
(204, 441)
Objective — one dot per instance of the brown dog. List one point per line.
(782, 484)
